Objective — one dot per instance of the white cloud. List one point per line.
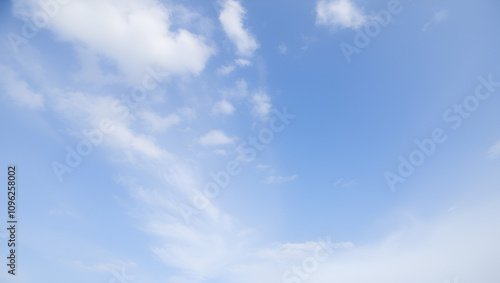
(282, 48)
(339, 13)
(115, 266)
(223, 107)
(296, 251)
(494, 150)
(155, 123)
(262, 166)
(462, 244)
(180, 279)
(225, 70)
(240, 90)
(231, 19)
(222, 152)
(199, 247)
(19, 90)
(262, 105)
(215, 137)
(135, 145)
(280, 179)
(438, 17)
(243, 62)
(186, 112)
(133, 34)
(307, 40)
(228, 69)
(344, 184)
(85, 112)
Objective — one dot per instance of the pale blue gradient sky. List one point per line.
(229, 63)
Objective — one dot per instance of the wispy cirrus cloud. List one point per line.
(84, 111)
(438, 17)
(280, 179)
(19, 90)
(494, 151)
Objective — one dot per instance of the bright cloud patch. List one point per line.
(231, 19)
(215, 137)
(228, 69)
(225, 70)
(243, 62)
(133, 34)
(262, 105)
(155, 123)
(339, 14)
(223, 107)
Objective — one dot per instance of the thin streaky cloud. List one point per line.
(494, 151)
(438, 17)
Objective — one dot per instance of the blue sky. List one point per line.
(247, 141)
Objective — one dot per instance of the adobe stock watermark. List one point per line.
(301, 273)
(454, 117)
(39, 19)
(248, 151)
(370, 30)
(95, 137)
